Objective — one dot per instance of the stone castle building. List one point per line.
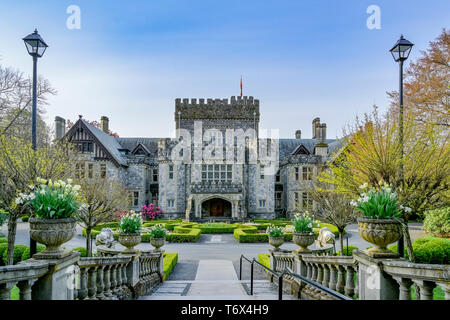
(194, 178)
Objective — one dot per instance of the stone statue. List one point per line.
(325, 237)
(105, 238)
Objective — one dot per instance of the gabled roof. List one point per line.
(140, 146)
(108, 143)
(300, 150)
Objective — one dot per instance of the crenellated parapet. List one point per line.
(236, 108)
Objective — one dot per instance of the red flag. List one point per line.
(241, 86)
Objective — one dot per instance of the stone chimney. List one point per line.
(315, 128)
(298, 134)
(323, 132)
(60, 128)
(104, 121)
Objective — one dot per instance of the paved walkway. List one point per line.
(214, 280)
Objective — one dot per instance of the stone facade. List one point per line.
(213, 168)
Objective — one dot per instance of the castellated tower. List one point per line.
(238, 113)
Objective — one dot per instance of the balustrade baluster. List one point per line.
(333, 277)
(340, 279)
(101, 283)
(405, 288)
(5, 290)
(124, 276)
(107, 281)
(350, 282)
(326, 276)
(83, 291)
(113, 279)
(92, 283)
(426, 289)
(355, 270)
(25, 288)
(308, 270)
(319, 273)
(119, 278)
(314, 272)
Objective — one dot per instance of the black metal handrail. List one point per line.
(280, 276)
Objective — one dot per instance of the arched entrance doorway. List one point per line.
(216, 207)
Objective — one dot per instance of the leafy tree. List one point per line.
(102, 198)
(16, 103)
(332, 207)
(19, 167)
(426, 84)
(371, 154)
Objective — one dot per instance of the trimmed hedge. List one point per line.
(25, 218)
(181, 232)
(184, 233)
(18, 252)
(249, 233)
(216, 227)
(348, 251)
(169, 262)
(264, 259)
(3, 240)
(429, 250)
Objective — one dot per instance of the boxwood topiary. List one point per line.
(18, 252)
(26, 252)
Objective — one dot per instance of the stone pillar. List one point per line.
(133, 270)
(373, 283)
(59, 282)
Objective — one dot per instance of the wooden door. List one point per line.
(216, 208)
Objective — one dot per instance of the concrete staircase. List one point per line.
(215, 280)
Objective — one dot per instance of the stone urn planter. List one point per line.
(303, 240)
(129, 240)
(276, 242)
(52, 233)
(157, 243)
(381, 233)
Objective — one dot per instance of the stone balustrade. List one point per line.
(103, 278)
(338, 273)
(24, 275)
(360, 276)
(392, 278)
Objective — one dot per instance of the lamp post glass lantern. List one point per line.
(400, 52)
(36, 47)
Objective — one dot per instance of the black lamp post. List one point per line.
(400, 51)
(36, 47)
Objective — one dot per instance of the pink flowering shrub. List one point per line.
(151, 212)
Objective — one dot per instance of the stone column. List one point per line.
(58, 283)
(373, 283)
(405, 288)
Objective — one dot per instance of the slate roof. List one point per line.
(288, 146)
(112, 144)
(109, 142)
(130, 143)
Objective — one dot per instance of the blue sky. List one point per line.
(302, 59)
